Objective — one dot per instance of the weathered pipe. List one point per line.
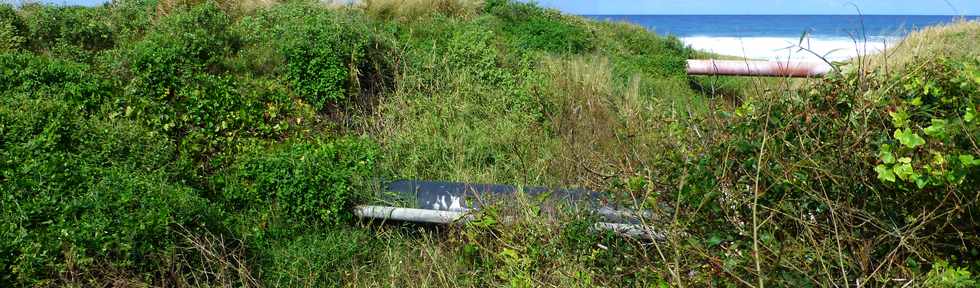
(757, 68)
(412, 215)
(454, 217)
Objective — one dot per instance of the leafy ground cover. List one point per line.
(223, 143)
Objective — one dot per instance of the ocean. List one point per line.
(777, 37)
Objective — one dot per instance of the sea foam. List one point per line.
(779, 48)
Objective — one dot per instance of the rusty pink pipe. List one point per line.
(757, 68)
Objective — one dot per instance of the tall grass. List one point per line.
(217, 143)
(607, 129)
(405, 10)
(955, 40)
(234, 7)
(527, 242)
(775, 187)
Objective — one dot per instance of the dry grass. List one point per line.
(219, 263)
(613, 129)
(232, 7)
(597, 121)
(414, 9)
(586, 119)
(956, 40)
(202, 260)
(524, 246)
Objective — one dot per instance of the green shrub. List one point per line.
(130, 19)
(184, 44)
(9, 39)
(123, 218)
(536, 28)
(933, 119)
(851, 150)
(8, 14)
(82, 192)
(637, 50)
(316, 182)
(45, 77)
(181, 84)
(322, 49)
(12, 29)
(208, 115)
(318, 259)
(85, 27)
(943, 275)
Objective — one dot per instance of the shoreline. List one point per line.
(788, 48)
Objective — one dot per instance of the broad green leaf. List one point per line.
(903, 171)
(938, 159)
(714, 240)
(886, 147)
(969, 161)
(938, 129)
(885, 173)
(509, 254)
(920, 182)
(917, 101)
(886, 156)
(970, 115)
(908, 138)
(747, 109)
(899, 118)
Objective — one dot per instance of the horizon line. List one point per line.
(673, 14)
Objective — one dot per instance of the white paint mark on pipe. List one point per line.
(450, 203)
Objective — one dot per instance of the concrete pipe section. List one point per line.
(758, 68)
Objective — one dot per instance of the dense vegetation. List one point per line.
(200, 143)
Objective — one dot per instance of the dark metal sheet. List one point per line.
(455, 196)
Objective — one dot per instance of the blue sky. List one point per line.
(912, 7)
(915, 7)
